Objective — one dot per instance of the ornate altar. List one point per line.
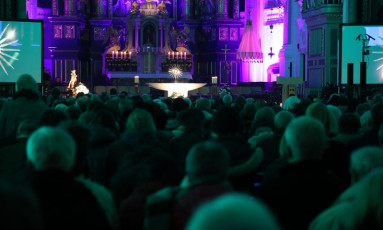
(148, 45)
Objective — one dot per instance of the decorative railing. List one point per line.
(312, 4)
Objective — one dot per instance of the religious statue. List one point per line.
(134, 8)
(162, 7)
(207, 7)
(73, 80)
(179, 37)
(120, 8)
(112, 38)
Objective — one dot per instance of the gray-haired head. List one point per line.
(282, 119)
(305, 139)
(233, 212)
(51, 148)
(364, 160)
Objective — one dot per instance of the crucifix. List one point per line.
(227, 66)
(226, 49)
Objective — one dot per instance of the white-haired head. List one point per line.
(232, 212)
(364, 160)
(305, 139)
(51, 148)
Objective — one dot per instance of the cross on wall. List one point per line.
(226, 49)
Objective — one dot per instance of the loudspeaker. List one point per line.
(350, 73)
(363, 73)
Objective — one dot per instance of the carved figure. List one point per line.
(162, 7)
(73, 80)
(134, 8)
(111, 36)
(206, 7)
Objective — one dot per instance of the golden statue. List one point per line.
(162, 7)
(73, 80)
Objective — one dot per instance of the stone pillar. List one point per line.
(130, 36)
(55, 8)
(110, 8)
(161, 36)
(175, 9)
(99, 8)
(287, 23)
(69, 8)
(137, 31)
(221, 8)
(167, 37)
(187, 9)
(350, 9)
(235, 9)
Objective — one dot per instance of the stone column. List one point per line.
(130, 36)
(161, 36)
(187, 11)
(69, 8)
(286, 23)
(221, 8)
(167, 37)
(110, 8)
(235, 9)
(350, 8)
(55, 8)
(137, 31)
(99, 8)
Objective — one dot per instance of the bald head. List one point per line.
(305, 138)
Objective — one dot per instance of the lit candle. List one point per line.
(130, 55)
(168, 55)
(185, 56)
(112, 54)
(136, 79)
(214, 80)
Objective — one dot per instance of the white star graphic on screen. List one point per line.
(379, 52)
(175, 71)
(7, 39)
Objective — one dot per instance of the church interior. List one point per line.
(191, 114)
(240, 43)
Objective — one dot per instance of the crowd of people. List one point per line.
(119, 161)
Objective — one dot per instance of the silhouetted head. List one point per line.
(207, 160)
(26, 81)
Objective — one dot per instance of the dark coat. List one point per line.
(25, 105)
(300, 192)
(66, 203)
